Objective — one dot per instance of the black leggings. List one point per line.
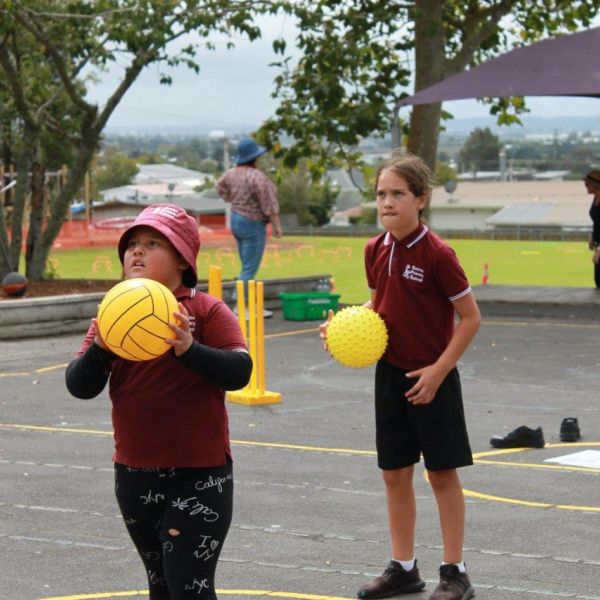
(178, 519)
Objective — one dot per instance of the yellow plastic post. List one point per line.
(255, 392)
(241, 307)
(252, 331)
(260, 338)
(215, 281)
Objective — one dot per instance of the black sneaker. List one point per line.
(569, 430)
(521, 437)
(453, 585)
(394, 580)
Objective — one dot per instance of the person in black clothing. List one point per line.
(592, 184)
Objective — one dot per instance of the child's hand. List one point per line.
(596, 255)
(427, 385)
(323, 329)
(184, 338)
(98, 339)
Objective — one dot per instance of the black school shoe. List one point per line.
(453, 585)
(521, 437)
(569, 430)
(393, 581)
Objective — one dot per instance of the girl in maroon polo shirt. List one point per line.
(173, 466)
(417, 286)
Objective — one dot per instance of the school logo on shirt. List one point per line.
(413, 273)
(192, 319)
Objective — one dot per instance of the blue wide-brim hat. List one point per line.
(247, 151)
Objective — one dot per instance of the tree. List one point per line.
(114, 169)
(355, 65)
(70, 39)
(25, 143)
(481, 151)
(299, 194)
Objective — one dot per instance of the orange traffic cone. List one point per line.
(486, 276)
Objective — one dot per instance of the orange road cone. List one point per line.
(486, 276)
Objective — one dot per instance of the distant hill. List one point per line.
(531, 125)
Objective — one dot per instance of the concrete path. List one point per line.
(309, 519)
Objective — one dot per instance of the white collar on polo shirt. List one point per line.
(389, 238)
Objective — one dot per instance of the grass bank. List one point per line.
(509, 262)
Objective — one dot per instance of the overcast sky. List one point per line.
(233, 90)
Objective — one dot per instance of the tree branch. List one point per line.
(476, 29)
(13, 79)
(57, 59)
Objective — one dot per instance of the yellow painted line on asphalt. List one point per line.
(477, 457)
(281, 594)
(55, 429)
(505, 500)
(236, 442)
(269, 593)
(51, 368)
(99, 595)
(64, 365)
(316, 330)
(295, 332)
(503, 463)
(308, 448)
(14, 374)
(541, 324)
(40, 370)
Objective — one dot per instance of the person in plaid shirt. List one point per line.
(254, 204)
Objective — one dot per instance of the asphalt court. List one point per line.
(309, 518)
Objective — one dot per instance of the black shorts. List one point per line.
(404, 431)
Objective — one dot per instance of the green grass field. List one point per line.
(510, 262)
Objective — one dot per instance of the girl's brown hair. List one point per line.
(413, 170)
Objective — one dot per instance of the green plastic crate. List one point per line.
(308, 306)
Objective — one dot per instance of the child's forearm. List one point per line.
(86, 376)
(228, 369)
(463, 335)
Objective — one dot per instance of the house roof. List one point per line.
(194, 202)
(167, 173)
(564, 203)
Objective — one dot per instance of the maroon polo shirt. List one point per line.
(415, 281)
(165, 415)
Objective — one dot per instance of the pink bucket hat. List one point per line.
(178, 227)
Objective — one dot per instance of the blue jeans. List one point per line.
(251, 237)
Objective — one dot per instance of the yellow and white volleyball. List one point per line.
(134, 317)
(357, 337)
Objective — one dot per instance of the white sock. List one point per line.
(407, 565)
(461, 566)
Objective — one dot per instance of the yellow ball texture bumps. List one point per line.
(357, 337)
(133, 318)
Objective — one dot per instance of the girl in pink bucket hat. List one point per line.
(172, 452)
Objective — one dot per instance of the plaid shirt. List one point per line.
(251, 193)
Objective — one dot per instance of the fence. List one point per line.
(551, 233)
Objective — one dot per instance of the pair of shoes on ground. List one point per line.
(521, 437)
(569, 430)
(395, 580)
(525, 437)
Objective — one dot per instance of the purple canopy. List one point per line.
(562, 66)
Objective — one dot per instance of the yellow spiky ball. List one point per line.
(357, 337)
(133, 318)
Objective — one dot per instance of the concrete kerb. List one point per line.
(54, 315)
(538, 302)
(57, 315)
